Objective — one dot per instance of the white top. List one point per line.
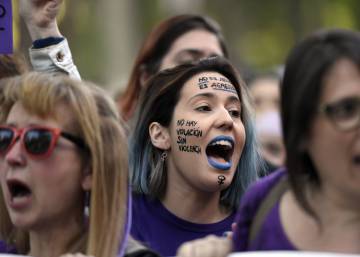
(289, 254)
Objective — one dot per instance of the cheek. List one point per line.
(240, 137)
(329, 149)
(64, 172)
(187, 136)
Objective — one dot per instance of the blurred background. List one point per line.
(105, 35)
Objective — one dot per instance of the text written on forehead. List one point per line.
(216, 83)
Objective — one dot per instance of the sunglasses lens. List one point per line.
(37, 141)
(6, 136)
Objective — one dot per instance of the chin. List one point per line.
(213, 185)
(21, 222)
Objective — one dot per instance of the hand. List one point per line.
(75, 255)
(40, 17)
(210, 246)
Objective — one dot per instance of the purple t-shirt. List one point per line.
(271, 235)
(164, 232)
(4, 248)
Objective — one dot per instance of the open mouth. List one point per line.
(219, 152)
(18, 189)
(356, 160)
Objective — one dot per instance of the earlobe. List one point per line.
(159, 136)
(86, 182)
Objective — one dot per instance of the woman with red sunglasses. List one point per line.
(63, 169)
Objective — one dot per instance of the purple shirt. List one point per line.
(164, 232)
(4, 248)
(6, 35)
(271, 235)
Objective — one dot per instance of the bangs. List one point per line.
(39, 94)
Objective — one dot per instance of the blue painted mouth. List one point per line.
(219, 165)
(221, 147)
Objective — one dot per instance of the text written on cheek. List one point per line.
(187, 130)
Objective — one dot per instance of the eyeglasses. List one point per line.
(344, 114)
(38, 142)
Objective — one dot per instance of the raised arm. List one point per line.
(50, 51)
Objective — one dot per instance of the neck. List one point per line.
(335, 207)
(334, 218)
(190, 203)
(57, 239)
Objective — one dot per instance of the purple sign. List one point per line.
(6, 36)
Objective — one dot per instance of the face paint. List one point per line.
(223, 86)
(221, 179)
(190, 148)
(220, 83)
(201, 150)
(203, 82)
(219, 152)
(183, 132)
(189, 132)
(189, 123)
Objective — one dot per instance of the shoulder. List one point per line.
(249, 205)
(5, 248)
(143, 204)
(145, 216)
(260, 188)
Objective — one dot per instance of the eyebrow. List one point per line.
(231, 98)
(193, 52)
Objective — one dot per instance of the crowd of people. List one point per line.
(188, 161)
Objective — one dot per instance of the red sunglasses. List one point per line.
(38, 142)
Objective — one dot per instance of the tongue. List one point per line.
(218, 159)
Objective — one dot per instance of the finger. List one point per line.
(233, 226)
(184, 250)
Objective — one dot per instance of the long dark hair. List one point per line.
(306, 67)
(157, 105)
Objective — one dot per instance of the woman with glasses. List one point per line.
(313, 204)
(317, 204)
(63, 169)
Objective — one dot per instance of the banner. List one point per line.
(6, 34)
(289, 254)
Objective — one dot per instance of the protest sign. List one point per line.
(6, 32)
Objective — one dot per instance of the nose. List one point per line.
(15, 155)
(224, 120)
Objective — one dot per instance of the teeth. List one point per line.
(222, 142)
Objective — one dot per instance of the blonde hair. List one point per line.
(96, 120)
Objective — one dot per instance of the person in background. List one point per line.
(269, 134)
(64, 170)
(176, 40)
(313, 204)
(265, 94)
(192, 154)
